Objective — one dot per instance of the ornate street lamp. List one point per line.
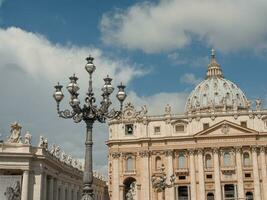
(89, 113)
(159, 182)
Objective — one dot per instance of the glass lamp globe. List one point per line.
(58, 95)
(90, 67)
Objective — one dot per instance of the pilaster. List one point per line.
(217, 174)
(201, 177)
(25, 185)
(192, 174)
(257, 194)
(239, 169)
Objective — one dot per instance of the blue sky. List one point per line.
(160, 49)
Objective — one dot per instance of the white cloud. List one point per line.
(189, 78)
(178, 59)
(29, 67)
(227, 25)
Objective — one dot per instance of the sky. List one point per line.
(160, 49)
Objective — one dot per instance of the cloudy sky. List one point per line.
(159, 49)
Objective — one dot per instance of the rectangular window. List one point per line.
(179, 128)
(243, 124)
(129, 129)
(247, 175)
(182, 177)
(206, 126)
(157, 130)
(209, 176)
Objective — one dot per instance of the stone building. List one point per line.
(37, 173)
(216, 149)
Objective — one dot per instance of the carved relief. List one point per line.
(225, 128)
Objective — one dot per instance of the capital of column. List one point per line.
(215, 150)
(169, 153)
(200, 151)
(144, 154)
(191, 151)
(254, 148)
(238, 149)
(262, 149)
(116, 155)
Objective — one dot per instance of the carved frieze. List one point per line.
(144, 154)
(116, 155)
(169, 152)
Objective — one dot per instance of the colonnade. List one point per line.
(51, 188)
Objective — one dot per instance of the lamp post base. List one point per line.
(87, 197)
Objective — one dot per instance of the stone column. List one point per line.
(169, 192)
(121, 195)
(145, 175)
(115, 176)
(55, 189)
(50, 188)
(257, 194)
(44, 186)
(193, 188)
(239, 170)
(217, 174)
(25, 185)
(201, 178)
(263, 172)
(62, 191)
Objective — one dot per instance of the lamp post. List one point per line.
(159, 181)
(89, 113)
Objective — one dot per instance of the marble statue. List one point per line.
(63, 156)
(27, 138)
(168, 109)
(258, 104)
(57, 152)
(53, 149)
(69, 160)
(15, 133)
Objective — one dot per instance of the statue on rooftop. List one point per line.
(15, 133)
(27, 138)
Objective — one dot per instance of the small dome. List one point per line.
(216, 93)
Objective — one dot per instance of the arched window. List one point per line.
(181, 161)
(208, 161)
(129, 164)
(246, 159)
(210, 196)
(249, 195)
(158, 163)
(226, 159)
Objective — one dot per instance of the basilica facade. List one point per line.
(216, 149)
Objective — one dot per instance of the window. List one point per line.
(129, 129)
(157, 130)
(246, 159)
(209, 176)
(247, 175)
(181, 161)
(158, 163)
(206, 126)
(243, 124)
(210, 196)
(227, 159)
(129, 164)
(208, 161)
(179, 128)
(182, 177)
